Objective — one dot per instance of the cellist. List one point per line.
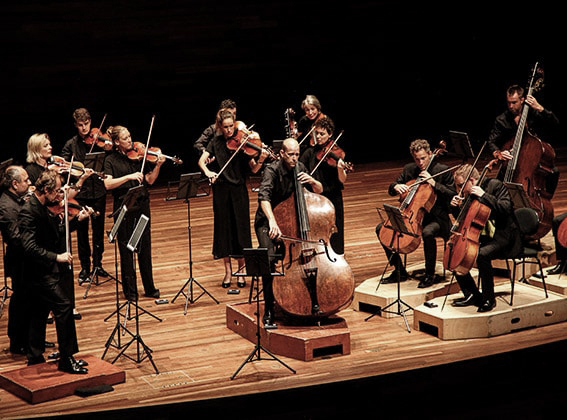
(500, 238)
(436, 223)
(541, 122)
(278, 185)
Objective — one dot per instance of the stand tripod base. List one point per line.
(256, 355)
(93, 280)
(190, 292)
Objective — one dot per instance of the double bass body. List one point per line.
(317, 281)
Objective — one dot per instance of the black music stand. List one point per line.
(398, 224)
(5, 288)
(461, 144)
(518, 195)
(142, 350)
(188, 189)
(257, 263)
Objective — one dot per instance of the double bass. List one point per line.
(418, 200)
(462, 247)
(317, 281)
(532, 161)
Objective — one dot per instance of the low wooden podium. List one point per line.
(43, 382)
(301, 342)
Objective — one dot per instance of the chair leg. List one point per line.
(512, 280)
(542, 277)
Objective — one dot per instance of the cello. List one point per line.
(537, 163)
(317, 282)
(562, 233)
(414, 204)
(462, 247)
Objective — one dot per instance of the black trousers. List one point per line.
(18, 313)
(98, 236)
(264, 241)
(47, 294)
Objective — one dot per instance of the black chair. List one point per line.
(528, 222)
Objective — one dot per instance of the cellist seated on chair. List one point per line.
(499, 240)
(277, 186)
(435, 223)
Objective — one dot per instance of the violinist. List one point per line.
(278, 185)
(436, 223)
(15, 185)
(312, 109)
(91, 194)
(231, 206)
(332, 177)
(46, 265)
(500, 239)
(123, 173)
(541, 122)
(209, 133)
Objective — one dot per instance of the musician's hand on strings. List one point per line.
(401, 188)
(478, 191)
(85, 213)
(533, 103)
(506, 155)
(305, 178)
(65, 257)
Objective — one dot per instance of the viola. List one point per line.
(532, 161)
(462, 247)
(97, 138)
(317, 282)
(248, 141)
(290, 124)
(73, 208)
(138, 152)
(414, 204)
(331, 154)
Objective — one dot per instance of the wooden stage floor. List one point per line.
(388, 371)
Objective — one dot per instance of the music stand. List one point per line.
(95, 161)
(257, 265)
(398, 224)
(518, 195)
(188, 189)
(461, 144)
(142, 350)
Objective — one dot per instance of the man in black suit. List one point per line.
(499, 240)
(46, 263)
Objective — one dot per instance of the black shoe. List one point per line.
(70, 365)
(469, 300)
(101, 272)
(241, 283)
(558, 269)
(53, 356)
(487, 305)
(154, 294)
(77, 316)
(84, 276)
(268, 318)
(36, 360)
(393, 277)
(427, 281)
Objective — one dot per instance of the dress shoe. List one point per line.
(241, 283)
(393, 277)
(558, 269)
(70, 365)
(35, 360)
(77, 315)
(268, 318)
(225, 284)
(154, 294)
(427, 281)
(53, 356)
(84, 276)
(487, 305)
(469, 300)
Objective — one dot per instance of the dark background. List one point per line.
(386, 72)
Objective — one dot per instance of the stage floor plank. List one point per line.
(196, 354)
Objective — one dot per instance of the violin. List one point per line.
(138, 152)
(73, 208)
(331, 154)
(62, 166)
(248, 141)
(97, 138)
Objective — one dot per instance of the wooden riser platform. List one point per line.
(43, 382)
(531, 309)
(369, 296)
(555, 283)
(298, 342)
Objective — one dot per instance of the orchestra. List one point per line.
(302, 184)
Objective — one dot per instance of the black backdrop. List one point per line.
(386, 72)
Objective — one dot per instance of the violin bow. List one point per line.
(147, 144)
(421, 181)
(66, 211)
(307, 135)
(99, 128)
(327, 152)
(472, 167)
